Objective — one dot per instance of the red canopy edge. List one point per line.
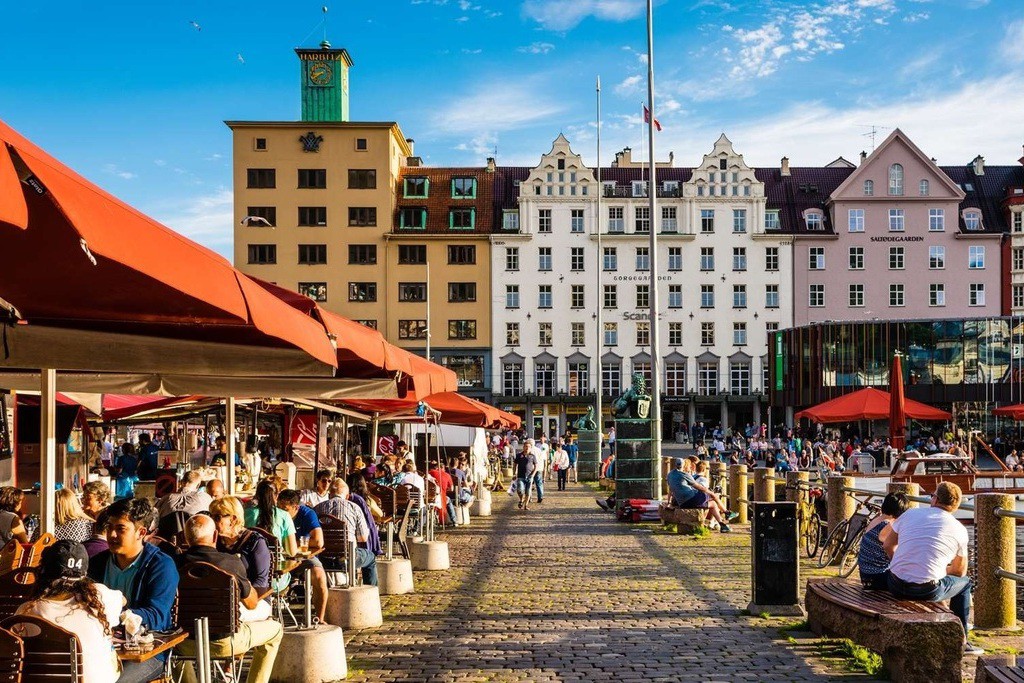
(455, 409)
(13, 208)
(1015, 411)
(868, 404)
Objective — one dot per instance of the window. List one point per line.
(544, 220)
(512, 258)
(771, 296)
(668, 219)
(577, 334)
(462, 218)
(616, 222)
(675, 258)
(771, 220)
(739, 296)
(611, 259)
(739, 258)
(544, 375)
(897, 295)
(1017, 296)
(611, 296)
(611, 379)
(576, 258)
(643, 334)
(317, 291)
(856, 258)
(362, 291)
(936, 258)
(675, 296)
(707, 296)
(362, 215)
(739, 334)
(462, 329)
(510, 220)
(312, 178)
(869, 188)
(936, 220)
(739, 378)
(512, 334)
(576, 220)
(310, 254)
(856, 220)
(816, 258)
(923, 188)
(896, 258)
(642, 219)
(739, 220)
(1018, 221)
(643, 258)
(512, 379)
(362, 179)
(577, 298)
(815, 220)
(412, 291)
(461, 254)
(511, 296)
(461, 292)
(816, 296)
(1017, 258)
(977, 294)
(412, 329)
(896, 180)
(707, 258)
(463, 188)
(267, 213)
(675, 375)
(972, 220)
(416, 187)
(261, 178)
(896, 220)
(770, 327)
(372, 324)
(707, 379)
(361, 145)
(312, 215)
(976, 258)
(412, 217)
(259, 144)
(544, 296)
(544, 258)
(675, 334)
(360, 254)
(639, 188)
(937, 294)
(707, 220)
(544, 334)
(707, 334)
(262, 254)
(611, 334)
(579, 379)
(412, 254)
(643, 296)
(771, 258)
(856, 295)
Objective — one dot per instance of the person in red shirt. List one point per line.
(444, 484)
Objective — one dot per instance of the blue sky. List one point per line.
(133, 95)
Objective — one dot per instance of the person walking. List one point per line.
(560, 464)
(526, 468)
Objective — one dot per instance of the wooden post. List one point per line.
(48, 445)
(720, 473)
(840, 504)
(906, 487)
(229, 435)
(738, 490)
(796, 486)
(764, 485)
(995, 598)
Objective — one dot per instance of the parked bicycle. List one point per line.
(843, 541)
(808, 516)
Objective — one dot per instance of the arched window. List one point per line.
(924, 188)
(869, 188)
(896, 180)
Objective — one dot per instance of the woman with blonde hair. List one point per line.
(72, 522)
(251, 548)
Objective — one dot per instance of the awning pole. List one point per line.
(343, 444)
(373, 437)
(229, 435)
(48, 434)
(316, 446)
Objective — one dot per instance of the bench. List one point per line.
(998, 669)
(687, 520)
(606, 484)
(920, 642)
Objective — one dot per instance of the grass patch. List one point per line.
(854, 657)
(795, 626)
(765, 615)
(699, 532)
(992, 647)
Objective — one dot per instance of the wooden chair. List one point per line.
(206, 592)
(338, 554)
(280, 597)
(16, 588)
(51, 654)
(12, 656)
(34, 554)
(410, 516)
(11, 556)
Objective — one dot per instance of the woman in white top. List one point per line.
(74, 602)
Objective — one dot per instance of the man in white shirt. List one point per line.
(541, 453)
(320, 491)
(928, 547)
(190, 499)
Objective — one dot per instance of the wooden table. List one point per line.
(161, 644)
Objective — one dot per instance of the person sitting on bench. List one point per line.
(688, 493)
(872, 560)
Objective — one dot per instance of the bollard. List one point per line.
(995, 598)
(840, 504)
(764, 485)
(719, 473)
(737, 490)
(796, 486)
(906, 487)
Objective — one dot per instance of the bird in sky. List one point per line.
(256, 220)
(241, 59)
(195, 25)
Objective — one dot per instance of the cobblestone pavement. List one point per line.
(564, 593)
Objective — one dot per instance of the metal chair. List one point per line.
(279, 598)
(206, 592)
(411, 518)
(338, 556)
(12, 656)
(16, 588)
(50, 653)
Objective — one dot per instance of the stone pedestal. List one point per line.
(429, 555)
(394, 577)
(314, 655)
(637, 473)
(588, 460)
(738, 492)
(481, 506)
(796, 487)
(764, 485)
(908, 488)
(720, 477)
(841, 505)
(995, 598)
(462, 515)
(687, 520)
(354, 608)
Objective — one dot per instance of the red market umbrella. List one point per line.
(897, 405)
(868, 404)
(1014, 412)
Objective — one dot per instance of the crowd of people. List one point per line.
(534, 462)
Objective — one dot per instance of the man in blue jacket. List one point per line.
(146, 576)
(149, 458)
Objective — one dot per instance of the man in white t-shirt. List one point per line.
(928, 547)
(541, 452)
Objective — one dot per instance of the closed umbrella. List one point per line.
(897, 405)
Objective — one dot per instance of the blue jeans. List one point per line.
(523, 485)
(956, 589)
(538, 483)
(141, 672)
(367, 561)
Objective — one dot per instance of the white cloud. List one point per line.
(629, 85)
(481, 145)
(468, 51)
(207, 219)
(462, 19)
(495, 107)
(916, 17)
(1012, 46)
(115, 170)
(562, 15)
(159, 162)
(537, 48)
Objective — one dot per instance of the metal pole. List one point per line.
(373, 436)
(599, 384)
(229, 436)
(48, 441)
(652, 194)
(316, 446)
(428, 311)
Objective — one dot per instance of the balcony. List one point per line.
(627, 192)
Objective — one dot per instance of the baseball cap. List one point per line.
(64, 559)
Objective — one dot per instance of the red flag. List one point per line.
(647, 119)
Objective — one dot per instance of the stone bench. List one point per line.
(606, 484)
(998, 669)
(920, 642)
(687, 520)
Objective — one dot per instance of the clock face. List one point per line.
(320, 73)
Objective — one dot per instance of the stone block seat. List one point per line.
(606, 484)
(920, 642)
(999, 669)
(687, 520)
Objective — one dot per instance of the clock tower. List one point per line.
(324, 83)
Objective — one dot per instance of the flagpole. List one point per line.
(600, 292)
(652, 195)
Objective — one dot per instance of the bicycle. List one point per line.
(808, 519)
(848, 560)
(838, 541)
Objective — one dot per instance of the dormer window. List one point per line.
(416, 186)
(639, 188)
(670, 186)
(972, 219)
(896, 180)
(609, 188)
(814, 219)
(869, 188)
(924, 188)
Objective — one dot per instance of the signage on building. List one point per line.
(642, 278)
(778, 362)
(897, 238)
(469, 370)
(628, 315)
(386, 445)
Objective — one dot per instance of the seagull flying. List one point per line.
(241, 58)
(195, 25)
(256, 220)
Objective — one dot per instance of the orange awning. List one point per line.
(426, 377)
(455, 409)
(868, 404)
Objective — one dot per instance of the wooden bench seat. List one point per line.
(999, 669)
(920, 642)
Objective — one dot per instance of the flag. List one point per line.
(647, 119)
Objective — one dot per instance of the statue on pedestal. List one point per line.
(587, 422)
(635, 402)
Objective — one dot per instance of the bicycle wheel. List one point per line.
(833, 544)
(848, 560)
(812, 534)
